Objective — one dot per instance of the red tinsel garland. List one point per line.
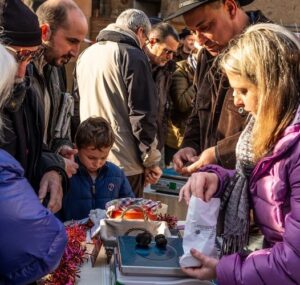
(73, 257)
(169, 219)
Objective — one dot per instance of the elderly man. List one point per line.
(161, 48)
(114, 81)
(215, 123)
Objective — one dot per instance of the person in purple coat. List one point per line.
(263, 68)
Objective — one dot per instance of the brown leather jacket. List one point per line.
(215, 120)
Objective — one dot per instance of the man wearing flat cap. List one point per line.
(215, 123)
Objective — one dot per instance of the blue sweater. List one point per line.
(85, 195)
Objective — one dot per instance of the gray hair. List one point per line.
(134, 19)
(8, 69)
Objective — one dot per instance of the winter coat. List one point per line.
(215, 120)
(115, 82)
(275, 196)
(23, 134)
(53, 79)
(182, 94)
(86, 194)
(32, 240)
(162, 76)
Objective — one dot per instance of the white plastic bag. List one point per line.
(200, 230)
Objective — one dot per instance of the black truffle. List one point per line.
(143, 239)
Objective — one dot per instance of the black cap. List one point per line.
(188, 5)
(19, 26)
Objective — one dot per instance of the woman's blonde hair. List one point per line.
(8, 69)
(268, 55)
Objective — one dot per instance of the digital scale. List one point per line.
(170, 182)
(150, 260)
(149, 266)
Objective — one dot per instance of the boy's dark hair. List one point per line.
(96, 132)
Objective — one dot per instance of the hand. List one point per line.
(68, 152)
(152, 174)
(70, 167)
(208, 156)
(183, 156)
(51, 182)
(68, 155)
(202, 185)
(206, 271)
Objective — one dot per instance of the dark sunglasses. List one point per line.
(25, 54)
(169, 52)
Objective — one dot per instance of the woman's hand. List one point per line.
(207, 271)
(202, 185)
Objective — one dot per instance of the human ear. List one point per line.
(231, 8)
(46, 32)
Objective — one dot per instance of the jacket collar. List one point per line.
(119, 34)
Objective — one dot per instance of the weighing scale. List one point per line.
(170, 182)
(151, 260)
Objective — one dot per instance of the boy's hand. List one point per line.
(152, 174)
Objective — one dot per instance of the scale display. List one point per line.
(170, 184)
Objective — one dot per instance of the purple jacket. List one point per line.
(32, 239)
(275, 196)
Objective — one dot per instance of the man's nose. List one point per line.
(75, 50)
(202, 39)
(170, 56)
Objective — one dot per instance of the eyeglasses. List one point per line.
(169, 52)
(165, 51)
(26, 54)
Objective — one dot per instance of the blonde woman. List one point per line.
(263, 67)
(32, 240)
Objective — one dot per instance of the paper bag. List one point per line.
(200, 230)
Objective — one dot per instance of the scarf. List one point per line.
(235, 208)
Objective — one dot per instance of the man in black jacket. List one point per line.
(23, 135)
(215, 123)
(63, 27)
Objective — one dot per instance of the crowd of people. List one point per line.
(218, 101)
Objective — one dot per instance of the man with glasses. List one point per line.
(114, 81)
(161, 49)
(24, 113)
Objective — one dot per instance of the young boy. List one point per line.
(97, 181)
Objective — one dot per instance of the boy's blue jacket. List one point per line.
(32, 239)
(85, 195)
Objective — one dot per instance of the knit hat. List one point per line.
(19, 26)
